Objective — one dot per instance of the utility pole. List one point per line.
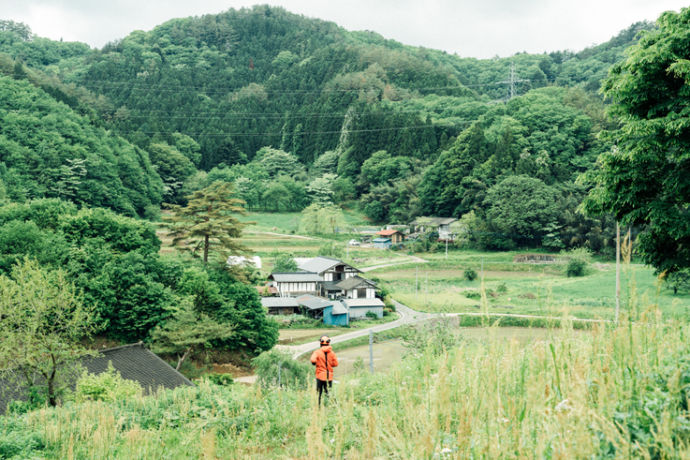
(618, 270)
(371, 351)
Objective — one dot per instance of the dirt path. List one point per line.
(301, 237)
(408, 260)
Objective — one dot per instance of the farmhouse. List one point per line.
(329, 269)
(437, 224)
(322, 290)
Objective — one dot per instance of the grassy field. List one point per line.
(611, 393)
(440, 286)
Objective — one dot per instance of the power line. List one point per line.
(189, 88)
(244, 134)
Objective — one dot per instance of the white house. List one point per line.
(294, 284)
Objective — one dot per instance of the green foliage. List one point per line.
(41, 347)
(643, 180)
(277, 368)
(679, 281)
(188, 330)
(48, 150)
(320, 219)
(331, 249)
(284, 263)
(470, 274)
(208, 222)
(108, 386)
(578, 261)
(518, 211)
(575, 267)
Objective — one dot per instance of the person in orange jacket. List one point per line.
(325, 360)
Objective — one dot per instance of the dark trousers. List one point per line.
(321, 386)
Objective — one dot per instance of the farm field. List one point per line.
(389, 352)
(440, 286)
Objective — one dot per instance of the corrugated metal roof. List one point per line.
(339, 309)
(279, 302)
(320, 264)
(349, 303)
(387, 232)
(312, 302)
(303, 277)
(434, 221)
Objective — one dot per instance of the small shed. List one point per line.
(382, 243)
(358, 308)
(336, 315)
(396, 236)
(280, 305)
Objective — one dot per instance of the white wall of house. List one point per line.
(294, 288)
(353, 294)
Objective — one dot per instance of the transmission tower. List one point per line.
(513, 80)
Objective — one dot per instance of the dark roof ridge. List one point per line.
(143, 346)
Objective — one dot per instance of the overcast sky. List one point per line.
(470, 28)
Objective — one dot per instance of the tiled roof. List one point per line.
(354, 281)
(297, 277)
(279, 302)
(387, 232)
(134, 362)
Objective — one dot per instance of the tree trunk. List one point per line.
(205, 249)
(181, 359)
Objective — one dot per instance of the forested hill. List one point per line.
(47, 150)
(241, 80)
(293, 109)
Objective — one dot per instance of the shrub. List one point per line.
(502, 288)
(220, 379)
(371, 315)
(108, 386)
(578, 260)
(277, 368)
(575, 268)
(470, 275)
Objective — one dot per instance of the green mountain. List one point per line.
(48, 150)
(241, 80)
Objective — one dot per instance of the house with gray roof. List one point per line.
(294, 284)
(133, 362)
(357, 288)
(441, 225)
(330, 269)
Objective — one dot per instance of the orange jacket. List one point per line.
(324, 370)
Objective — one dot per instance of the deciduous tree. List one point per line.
(43, 321)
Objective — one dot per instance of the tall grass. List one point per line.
(609, 393)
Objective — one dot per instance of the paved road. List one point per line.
(407, 316)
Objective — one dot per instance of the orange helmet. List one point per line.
(325, 340)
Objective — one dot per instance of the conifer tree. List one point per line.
(208, 222)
